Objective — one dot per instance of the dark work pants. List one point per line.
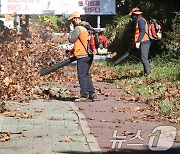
(85, 81)
(144, 57)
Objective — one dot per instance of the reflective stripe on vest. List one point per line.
(79, 46)
(137, 32)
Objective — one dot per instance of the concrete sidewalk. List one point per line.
(55, 127)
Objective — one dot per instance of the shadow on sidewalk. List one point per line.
(65, 99)
(124, 77)
(1, 133)
(128, 151)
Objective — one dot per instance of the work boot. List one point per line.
(81, 99)
(93, 97)
(147, 74)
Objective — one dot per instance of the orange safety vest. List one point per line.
(80, 47)
(137, 32)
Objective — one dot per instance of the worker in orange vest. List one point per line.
(141, 39)
(79, 36)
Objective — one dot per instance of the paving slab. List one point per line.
(55, 127)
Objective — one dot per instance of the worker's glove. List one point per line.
(138, 45)
(71, 26)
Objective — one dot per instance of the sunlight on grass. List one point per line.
(161, 85)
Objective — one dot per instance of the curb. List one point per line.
(93, 145)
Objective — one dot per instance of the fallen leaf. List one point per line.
(5, 137)
(136, 109)
(9, 114)
(66, 139)
(90, 118)
(126, 133)
(104, 120)
(118, 98)
(7, 81)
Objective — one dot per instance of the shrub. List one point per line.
(53, 20)
(120, 33)
(172, 41)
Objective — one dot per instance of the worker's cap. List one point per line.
(74, 15)
(135, 11)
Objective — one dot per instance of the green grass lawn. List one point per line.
(161, 87)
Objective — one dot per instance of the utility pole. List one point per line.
(98, 21)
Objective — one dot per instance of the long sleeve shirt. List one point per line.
(142, 28)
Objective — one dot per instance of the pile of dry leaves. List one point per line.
(20, 64)
(22, 60)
